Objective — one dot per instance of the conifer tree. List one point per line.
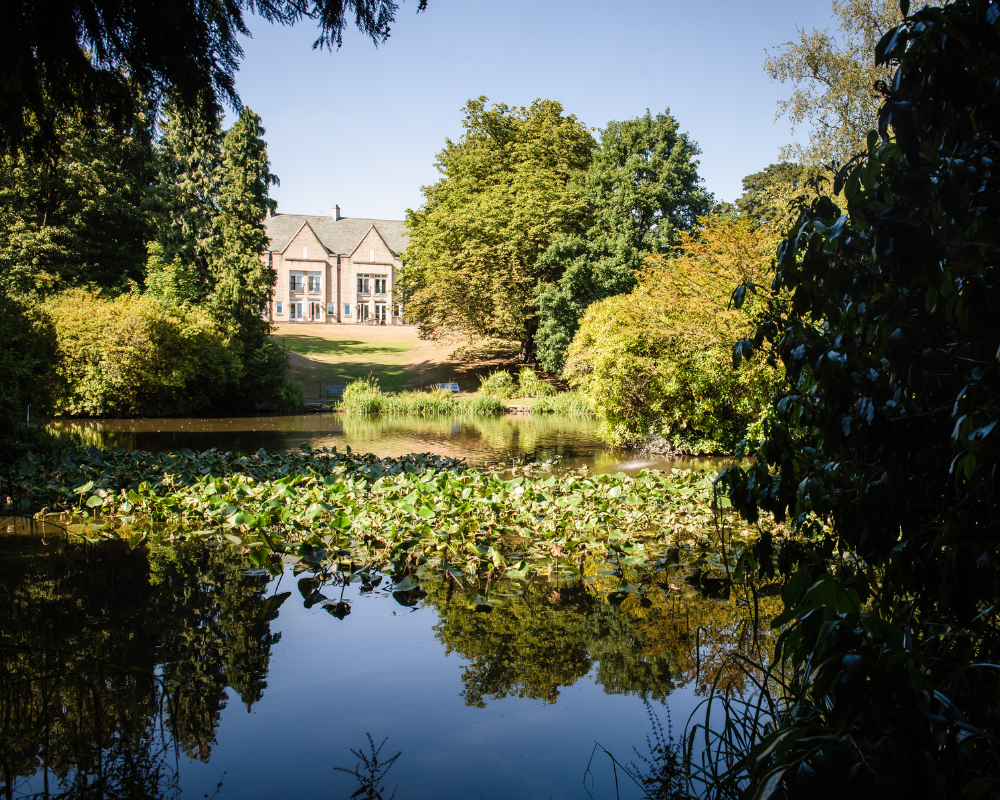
(184, 199)
(243, 283)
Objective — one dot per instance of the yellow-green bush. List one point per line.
(138, 355)
(657, 364)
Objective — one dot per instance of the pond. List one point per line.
(573, 440)
(180, 667)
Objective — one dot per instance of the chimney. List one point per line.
(336, 212)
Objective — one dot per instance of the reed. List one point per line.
(573, 403)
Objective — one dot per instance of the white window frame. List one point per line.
(277, 308)
(347, 309)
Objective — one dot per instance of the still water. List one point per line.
(573, 440)
(177, 667)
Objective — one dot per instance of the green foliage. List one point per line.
(263, 385)
(774, 195)
(483, 405)
(656, 364)
(76, 217)
(134, 648)
(290, 398)
(375, 509)
(192, 50)
(184, 199)
(882, 448)
(27, 362)
(530, 385)
(508, 188)
(242, 281)
(173, 282)
(498, 383)
(572, 403)
(583, 272)
(837, 81)
(644, 189)
(137, 355)
(364, 397)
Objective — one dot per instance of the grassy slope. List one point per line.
(339, 354)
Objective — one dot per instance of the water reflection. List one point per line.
(574, 440)
(110, 658)
(117, 667)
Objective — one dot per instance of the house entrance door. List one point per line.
(295, 310)
(380, 312)
(315, 312)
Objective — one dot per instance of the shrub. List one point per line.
(530, 385)
(658, 362)
(263, 386)
(290, 399)
(137, 355)
(498, 384)
(363, 397)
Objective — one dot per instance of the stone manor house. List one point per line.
(335, 269)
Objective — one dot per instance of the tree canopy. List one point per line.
(838, 84)
(644, 191)
(509, 186)
(77, 216)
(87, 54)
(656, 362)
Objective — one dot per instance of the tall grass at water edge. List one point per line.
(364, 397)
(572, 403)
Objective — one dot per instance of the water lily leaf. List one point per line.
(233, 538)
(426, 512)
(94, 500)
(407, 584)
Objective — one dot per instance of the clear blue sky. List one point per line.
(361, 126)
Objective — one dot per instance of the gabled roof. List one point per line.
(341, 236)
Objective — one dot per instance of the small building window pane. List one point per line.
(277, 308)
(347, 309)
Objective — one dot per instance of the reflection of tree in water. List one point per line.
(215, 633)
(646, 642)
(524, 648)
(107, 653)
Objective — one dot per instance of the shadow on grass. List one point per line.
(342, 348)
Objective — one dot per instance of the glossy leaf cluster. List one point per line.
(886, 429)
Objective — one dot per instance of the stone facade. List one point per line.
(335, 270)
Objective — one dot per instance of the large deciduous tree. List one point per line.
(644, 190)
(509, 187)
(242, 282)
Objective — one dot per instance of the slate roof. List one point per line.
(341, 236)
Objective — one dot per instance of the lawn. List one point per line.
(338, 354)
